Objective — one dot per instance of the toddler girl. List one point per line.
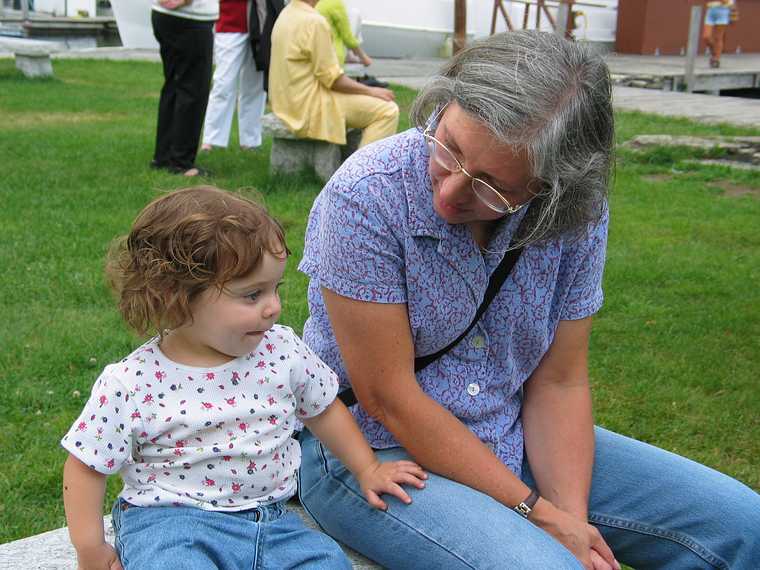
(198, 420)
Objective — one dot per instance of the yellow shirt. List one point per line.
(302, 70)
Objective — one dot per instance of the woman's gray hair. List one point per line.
(549, 97)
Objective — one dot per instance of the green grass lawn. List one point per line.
(675, 352)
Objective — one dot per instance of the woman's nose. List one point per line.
(456, 187)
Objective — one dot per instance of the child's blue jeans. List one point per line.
(266, 538)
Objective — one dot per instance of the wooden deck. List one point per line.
(737, 71)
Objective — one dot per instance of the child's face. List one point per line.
(230, 323)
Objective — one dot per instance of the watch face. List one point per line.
(523, 510)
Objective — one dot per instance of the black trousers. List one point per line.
(187, 55)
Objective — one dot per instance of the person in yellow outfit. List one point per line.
(718, 15)
(310, 92)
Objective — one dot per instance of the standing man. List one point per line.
(184, 32)
(310, 92)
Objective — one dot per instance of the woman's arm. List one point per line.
(362, 55)
(559, 429)
(376, 345)
(83, 492)
(345, 84)
(337, 429)
(557, 420)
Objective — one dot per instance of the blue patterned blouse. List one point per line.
(373, 236)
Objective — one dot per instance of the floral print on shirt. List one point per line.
(218, 438)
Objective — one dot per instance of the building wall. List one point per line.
(662, 26)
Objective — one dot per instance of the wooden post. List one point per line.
(563, 17)
(549, 17)
(498, 6)
(695, 24)
(539, 6)
(460, 25)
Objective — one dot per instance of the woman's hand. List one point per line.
(579, 537)
(101, 557)
(380, 478)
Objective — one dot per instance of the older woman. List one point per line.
(512, 154)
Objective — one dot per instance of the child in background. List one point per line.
(198, 420)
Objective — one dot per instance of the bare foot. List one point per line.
(206, 147)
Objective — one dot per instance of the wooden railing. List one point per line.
(564, 23)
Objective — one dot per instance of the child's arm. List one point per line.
(337, 429)
(83, 492)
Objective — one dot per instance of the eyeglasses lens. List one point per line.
(443, 157)
(488, 195)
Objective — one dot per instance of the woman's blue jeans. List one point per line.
(266, 538)
(654, 508)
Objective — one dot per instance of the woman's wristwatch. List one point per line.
(525, 507)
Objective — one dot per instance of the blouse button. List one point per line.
(478, 342)
(473, 389)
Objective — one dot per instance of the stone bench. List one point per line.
(53, 551)
(291, 154)
(32, 56)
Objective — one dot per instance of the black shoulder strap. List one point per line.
(498, 277)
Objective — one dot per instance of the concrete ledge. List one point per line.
(32, 56)
(291, 154)
(53, 551)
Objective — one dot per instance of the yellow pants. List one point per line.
(377, 118)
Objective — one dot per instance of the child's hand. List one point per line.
(381, 478)
(102, 557)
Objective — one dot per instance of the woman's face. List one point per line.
(477, 150)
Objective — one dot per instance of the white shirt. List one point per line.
(196, 10)
(214, 438)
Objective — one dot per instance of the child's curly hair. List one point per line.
(181, 244)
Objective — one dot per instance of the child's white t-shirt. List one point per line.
(214, 438)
